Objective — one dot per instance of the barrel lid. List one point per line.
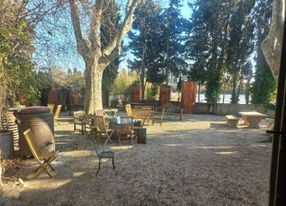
(34, 110)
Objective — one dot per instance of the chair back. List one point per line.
(126, 127)
(51, 107)
(146, 110)
(57, 113)
(128, 110)
(100, 124)
(32, 145)
(78, 114)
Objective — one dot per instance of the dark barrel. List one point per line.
(40, 121)
(6, 144)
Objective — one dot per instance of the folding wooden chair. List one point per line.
(101, 128)
(125, 130)
(128, 110)
(43, 158)
(57, 114)
(51, 107)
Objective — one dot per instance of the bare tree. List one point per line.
(96, 56)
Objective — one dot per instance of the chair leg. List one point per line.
(113, 163)
(99, 163)
(114, 166)
(119, 140)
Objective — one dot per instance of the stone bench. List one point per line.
(231, 120)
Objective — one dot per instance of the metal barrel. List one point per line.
(40, 121)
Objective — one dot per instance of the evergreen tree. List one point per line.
(264, 85)
(171, 58)
(207, 43)
(240, 44)
(146, 43)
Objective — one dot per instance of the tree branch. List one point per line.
(126, 27)
(82, 45)
(94, 35)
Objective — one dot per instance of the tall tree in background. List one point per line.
(247, 73)
(96, 55)
(208, 41)
(264, 85)
(171, 58)
(146, 41)
(197, 47)
(240, 44)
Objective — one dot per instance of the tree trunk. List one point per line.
(223, 95)
(234, 84)
(239, 89)
(199, 93)
(247, 91)
(142, 73)
(93, 93)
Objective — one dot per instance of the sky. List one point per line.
(67, 57)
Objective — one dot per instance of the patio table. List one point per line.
(252, 118)
(117, 122)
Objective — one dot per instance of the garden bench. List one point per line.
(172, 110)
(231, 120)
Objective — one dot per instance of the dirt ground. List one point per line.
(197, 161)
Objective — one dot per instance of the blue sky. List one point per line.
(66, 56)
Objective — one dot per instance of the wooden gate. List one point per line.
(189, 92)
(165, 94)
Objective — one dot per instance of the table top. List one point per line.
(119, 120)
(252, 113)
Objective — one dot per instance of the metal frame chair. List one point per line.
(43, 158)
(106, 154)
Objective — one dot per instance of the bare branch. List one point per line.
(82, 45)
(94, 35)
(126, 26)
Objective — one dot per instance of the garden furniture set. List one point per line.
(250, 119)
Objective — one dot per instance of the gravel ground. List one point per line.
(197, 161)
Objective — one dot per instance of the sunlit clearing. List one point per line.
(121, 147)
(78, 174)
(227, 153)
(219, 147)
(174, 145)
(51, 184)
(257, 145)
(78, 153)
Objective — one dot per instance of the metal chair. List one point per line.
(106, 154)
